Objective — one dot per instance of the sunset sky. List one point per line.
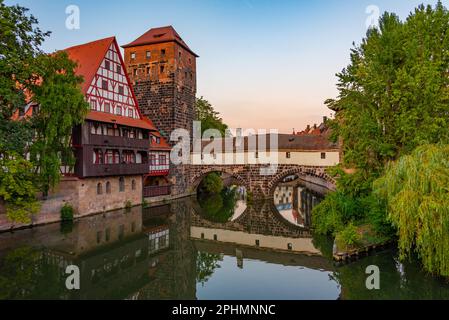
(263, 64)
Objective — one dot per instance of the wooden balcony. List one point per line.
(156, 191)
(104, 170)
(119, 142)
(159, 170)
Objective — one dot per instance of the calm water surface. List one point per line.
(215, 248)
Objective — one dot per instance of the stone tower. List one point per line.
(162, 69)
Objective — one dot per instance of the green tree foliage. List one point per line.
(416, 190)
(211, 184)
(17, 188)
(210, 119)
(219, 207)
(20, 40)
(61, 107)
(49, 80)
(206, 264)
(393, 97)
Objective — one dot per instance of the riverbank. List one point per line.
(355, 242)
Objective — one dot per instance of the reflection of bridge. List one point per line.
(276, 257)
(154, 255)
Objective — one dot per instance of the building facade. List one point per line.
(162, 69)
(112, 145)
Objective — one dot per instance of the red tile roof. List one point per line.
(163, 145)
(89, 57)
(160, 35)
(126, 121)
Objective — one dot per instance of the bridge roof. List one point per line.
(286, 142)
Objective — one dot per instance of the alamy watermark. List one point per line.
(373, 280)
(72, 282)
(73, 20)
(372, 21)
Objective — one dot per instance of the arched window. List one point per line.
(133, 185)
(99, 189)
(121, 184)
(108, 187)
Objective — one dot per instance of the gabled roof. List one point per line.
(160, 35)
(89, 57)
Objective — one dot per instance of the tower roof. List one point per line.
(160, 35)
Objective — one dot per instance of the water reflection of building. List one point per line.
(139, 258)
(155, 254)
(295, 202)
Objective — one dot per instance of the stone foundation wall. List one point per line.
(90, 202)
(82, 195)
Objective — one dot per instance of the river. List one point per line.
(212, 248)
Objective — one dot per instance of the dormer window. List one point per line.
(158, 140)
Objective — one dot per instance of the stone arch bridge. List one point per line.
(262, 186)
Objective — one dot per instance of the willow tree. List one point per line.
(417, 193)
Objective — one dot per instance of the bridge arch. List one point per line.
(314, 175)
(199, 176)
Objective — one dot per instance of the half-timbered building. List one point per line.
(111, 146)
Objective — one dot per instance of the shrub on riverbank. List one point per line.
(67, 212)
